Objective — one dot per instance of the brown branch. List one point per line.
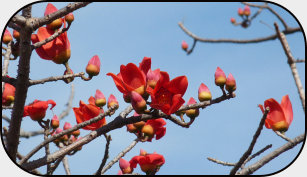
(6, 118)
(78, 126)
(220, 162)
(256, 154)
(238, 41)
(21, 86)
(299, 61)
(251, 146)
(65, 112)
(120, 155)
(25, 134)
(38, 22)
(292, 65)
(55, 78)
(289, 145)
(6, 61)
(19, 20)
(66, 165)
(106, 154)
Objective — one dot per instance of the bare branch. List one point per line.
(256, 154)
(19, 20)
(66, 165)
(220, 162)
(65, 112)
(292, 65)
(120, 155)
(289, 145)
(6, 61)
(21, 87)
(106, 154)
(282, 136)
(238, 41)
(299, 61)
(55, 78)
(25, 134)
(251, 146)
(6, 118)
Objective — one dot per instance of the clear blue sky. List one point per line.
(120, 33)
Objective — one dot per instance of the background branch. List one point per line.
(106, 154)
(66, 111)
(55, 78)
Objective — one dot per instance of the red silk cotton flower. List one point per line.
(57, 50)
(37, 109)
(131, 77)
(149, 163)
(280, 116)
(88, 111)
(167, 95)
(8, 95)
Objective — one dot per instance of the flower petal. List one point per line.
(119, 83)
(132, 76)
(276, 113)
(287, 108)
(177, 102)
(178, 85)
(145, 65)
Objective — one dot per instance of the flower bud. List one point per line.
(246, 10)
(138, 125)
(192, 113)
(184, 46)
(100, 99)
(131, 128)
(231, 83)
(204, 93)
(16, 34)
(69, 18)
(148, 130)
(153, 77)
(76, 133)
(138, 102)
(119, 172)
(68, 80)
(220, 77)
(72, 139)
(240, 12)
(112, 101)
(7, 37)
(124, 165)
(55, 122)
(93, 66)
(55, 24)
(143, 152)
(67, 126)
(233, 20)
(127, 98)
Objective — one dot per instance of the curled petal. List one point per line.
(287, 108)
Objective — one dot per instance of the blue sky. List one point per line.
(120, 33)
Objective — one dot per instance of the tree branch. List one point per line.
(65, 112)
(55, 78)
(220, 162)
(66, 165)
(238, 41)
(251, 146)
(120, 155)
(6, 61)
(21, 87)
(106, 154)
(38, 22)
(292, 65)
(252, 168)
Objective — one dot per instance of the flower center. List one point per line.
(164, 96)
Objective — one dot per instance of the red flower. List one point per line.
(150, 163)
(167, 95)
(131, 77)
(57, 50)
(93, 66)
(157, 129)
(88, 111)
(37, 109)
(8, 95)
(280, 116)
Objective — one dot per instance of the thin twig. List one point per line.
(6, 61)
(256, 154)
(65, 112)
(282, 136)
(106, 154)
(66, 165)
(120, 155)
(55, 78)
(251, 146)
(238, 41)
(299, 61)
(289, 145)
(220, 162)
(292, 64)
